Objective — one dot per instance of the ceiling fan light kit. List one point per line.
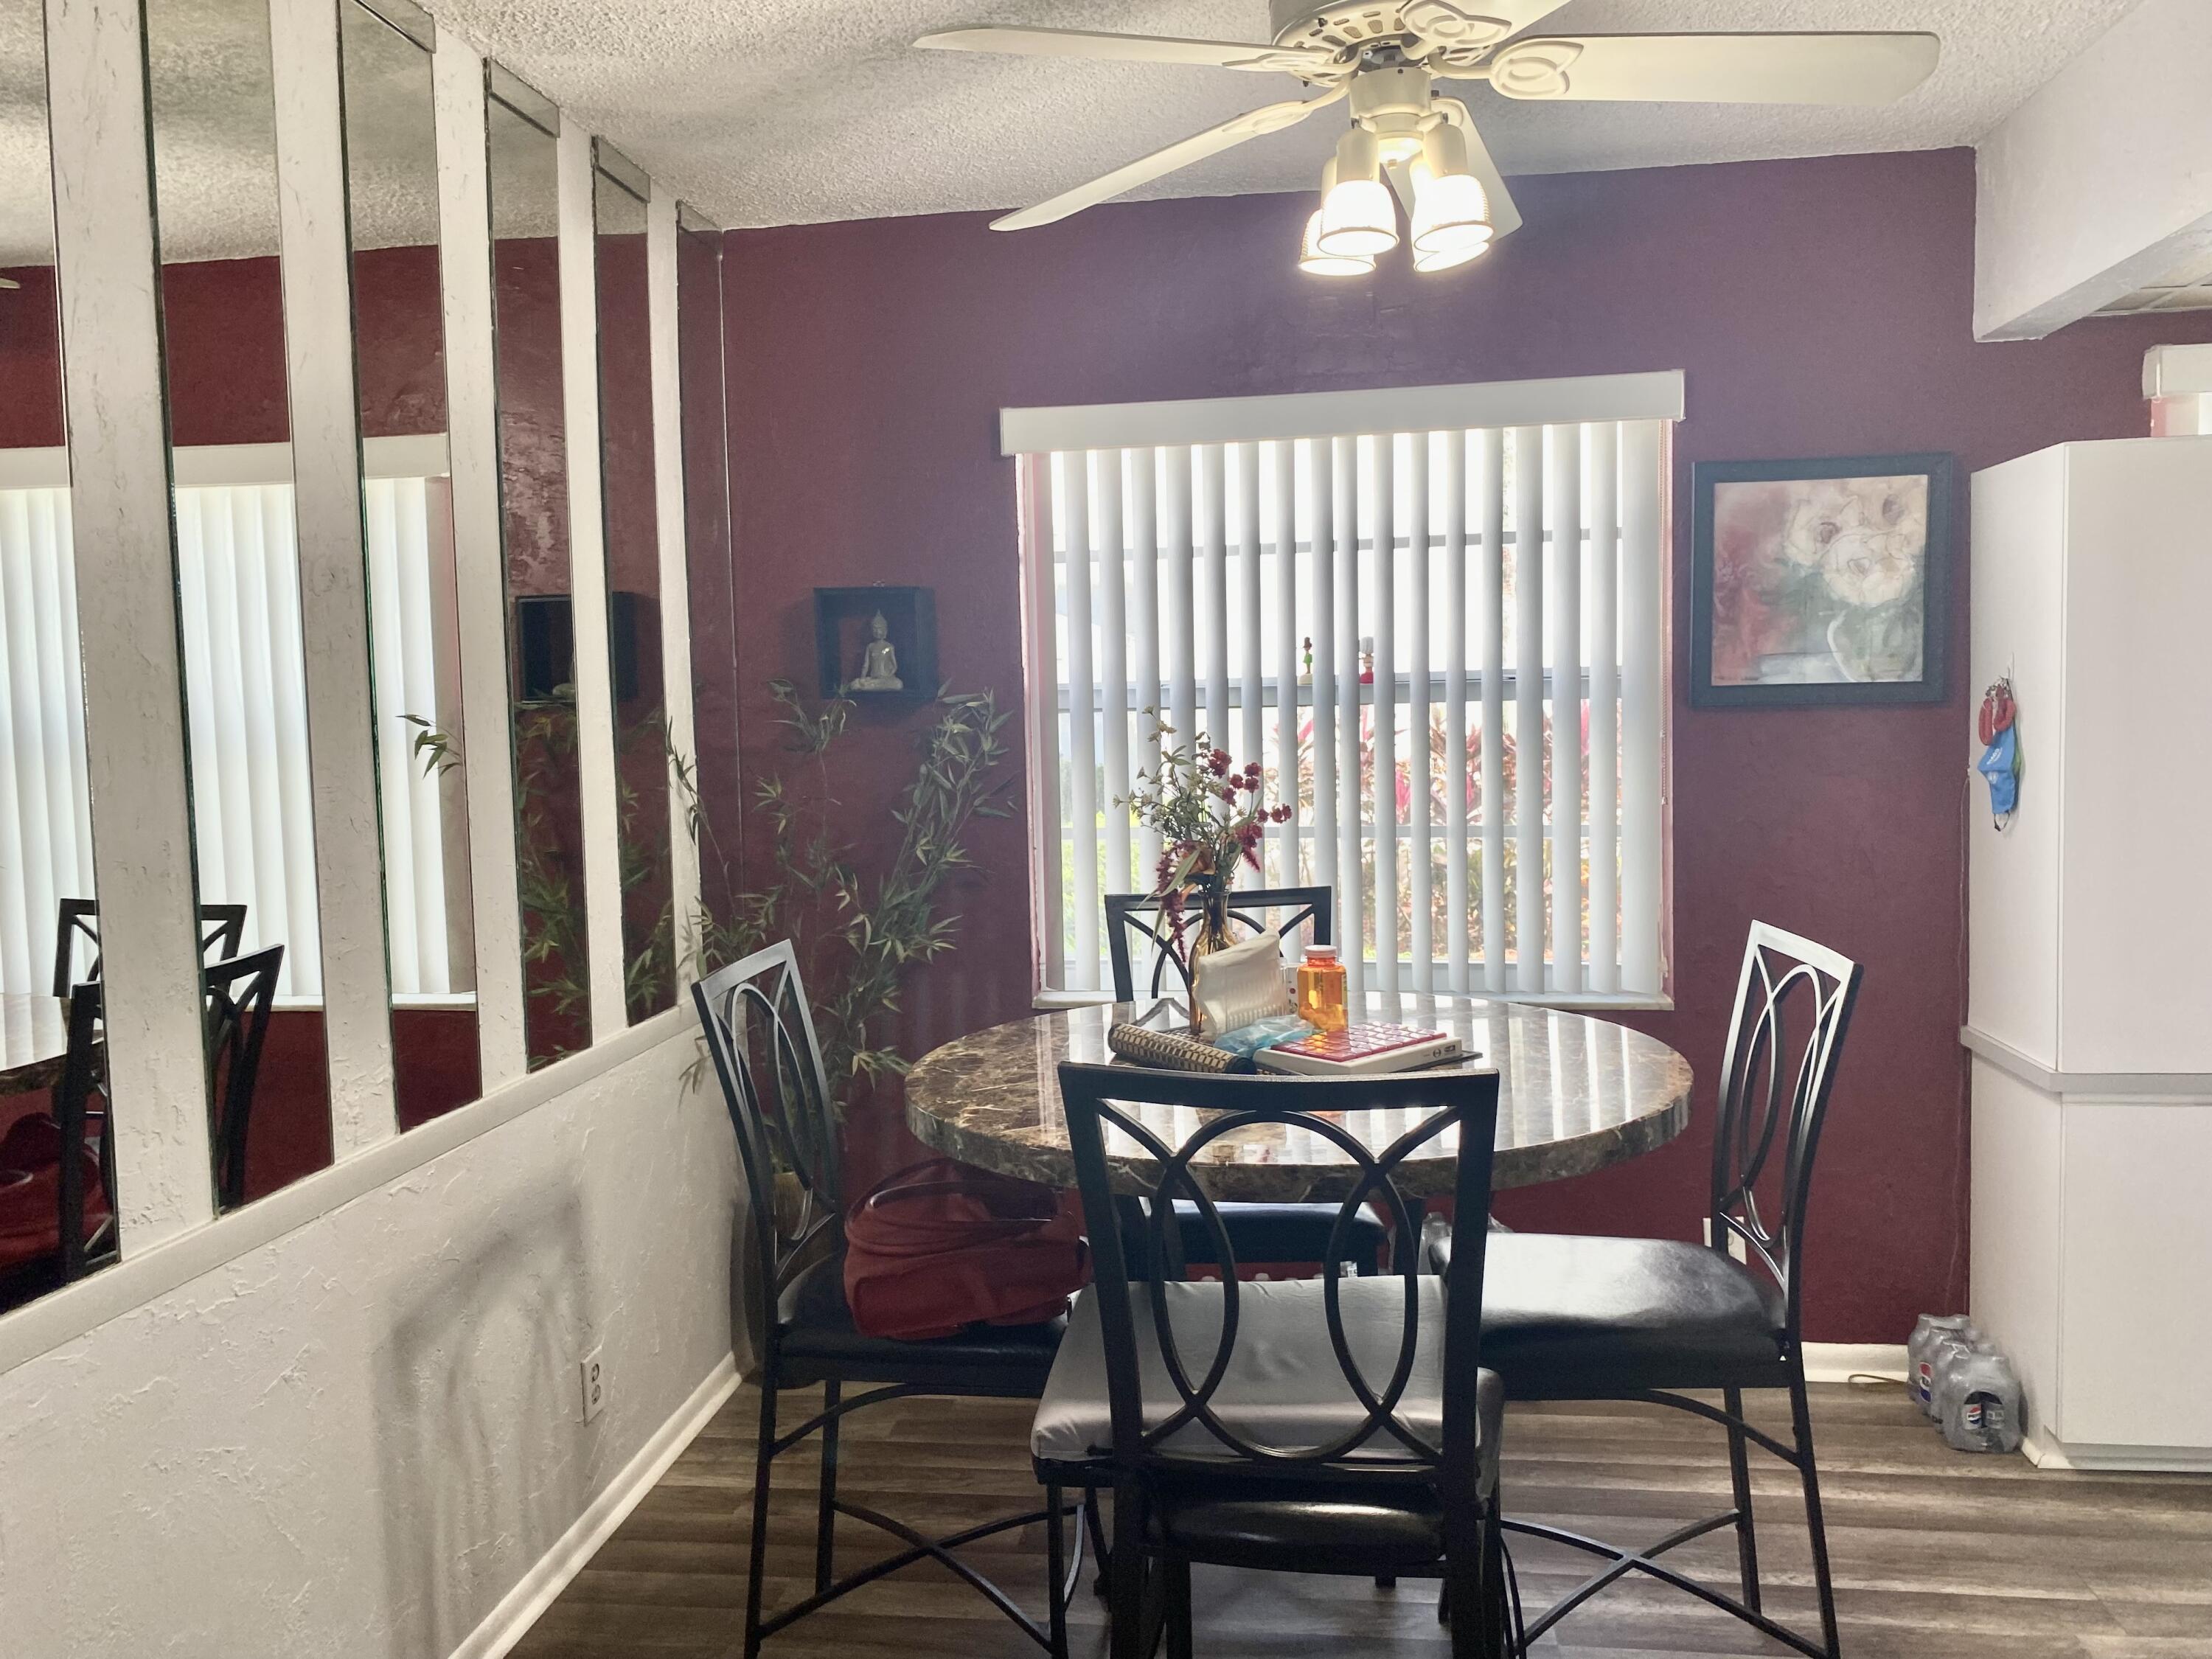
(1383, 56)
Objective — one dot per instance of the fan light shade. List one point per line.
(1425, 262)
(1358, 215)
(1315, 262)
(1451, 211)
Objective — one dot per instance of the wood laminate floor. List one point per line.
(1937, 1555)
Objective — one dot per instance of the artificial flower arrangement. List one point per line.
(1210, 816)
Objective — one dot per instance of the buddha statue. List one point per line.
(879, 662)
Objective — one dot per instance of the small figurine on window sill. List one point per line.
(879, 662)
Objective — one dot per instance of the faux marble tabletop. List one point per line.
(1574, 1094)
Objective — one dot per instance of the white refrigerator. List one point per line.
(2089, 1000)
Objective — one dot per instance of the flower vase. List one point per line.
(1212, 935)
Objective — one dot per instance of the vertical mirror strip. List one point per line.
(311, 189)
(466, 282)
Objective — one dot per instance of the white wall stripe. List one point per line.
(134, 731)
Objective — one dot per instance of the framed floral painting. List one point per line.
(1820, 581)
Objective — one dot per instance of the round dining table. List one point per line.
(1574, 1094)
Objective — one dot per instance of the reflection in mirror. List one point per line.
(630, 487)
(534, 502)
(57, 1165)
(705, 422)
(392, 193)
(211, 99)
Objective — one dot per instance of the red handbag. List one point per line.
(939, 1246)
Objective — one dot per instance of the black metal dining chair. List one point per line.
(240, 994)
(1643, 1319)
(760, 1032)
(1339, 1425)
(222, 931)
(1261, 1232)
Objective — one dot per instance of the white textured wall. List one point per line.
(2100, 182)
(356, 1438)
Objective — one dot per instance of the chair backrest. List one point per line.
(1132, 916)
(222, 929)
(83, 1078)
(1793, 1006)
(1465, 1102)
(240, 994)
(760, 1031)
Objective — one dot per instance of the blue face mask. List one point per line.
(1999, 764)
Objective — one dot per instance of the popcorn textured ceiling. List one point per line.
(777, 112)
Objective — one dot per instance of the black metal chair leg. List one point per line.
(1056, 1579)
(1178, 1609)
(1747, 1540)
(825, 1521)
(1099, 1548)
(1801, 1418)
(1124, 1585)
(758, 1549)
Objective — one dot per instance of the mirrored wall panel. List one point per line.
(521, 132)
(421, 747)
(707, 554)
(56, 1165)
(212, 103)
(630, 487)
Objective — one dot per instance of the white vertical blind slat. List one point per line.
(395, 765)
(1317, 457)
(1384, 564)
(1211, 529)
(1562, 515)
(1283, 496)
(1454, 773)
(1082, 727)
(1114, 668)
(1490, 631)
(1421, 756)
(1351, 884)
(20, 852)
(1642, 691)
(1145, 629)
(1603, 482)
(1245, 470)
(1179, 593)
(1528, 706)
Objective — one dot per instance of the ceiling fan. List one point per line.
(1384, 57)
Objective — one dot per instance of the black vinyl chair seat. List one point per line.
(1566, 1316)
(1282, 1232)
(817, 1341)
(1241, 1524)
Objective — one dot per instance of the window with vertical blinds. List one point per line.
(239, 612)
(1435, 615)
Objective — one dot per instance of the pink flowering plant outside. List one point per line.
(1210, 817)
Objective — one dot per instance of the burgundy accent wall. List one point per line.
(1818, 308)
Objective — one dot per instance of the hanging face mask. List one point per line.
(1999, 730)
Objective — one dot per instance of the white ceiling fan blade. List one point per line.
(1718, 68)
(1254, 124)
(1466, 28)
(1505, 217)
(1124, 48)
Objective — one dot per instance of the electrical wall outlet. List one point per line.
(595, 1384)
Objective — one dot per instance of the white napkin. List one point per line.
(1244, 982)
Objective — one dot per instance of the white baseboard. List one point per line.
(1840, 1362)
(2049, 1452)
(519, 1609)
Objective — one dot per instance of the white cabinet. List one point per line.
(2089, 1002)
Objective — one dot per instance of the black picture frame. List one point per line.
(1933, 686)
(841, 622)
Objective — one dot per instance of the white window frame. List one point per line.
(1179, 486)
